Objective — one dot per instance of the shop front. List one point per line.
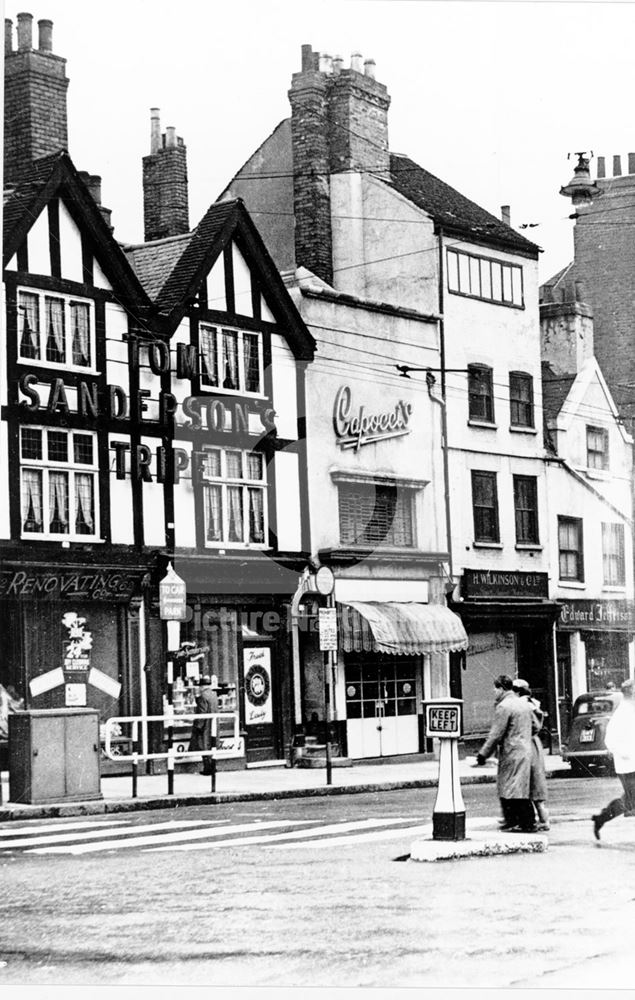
(236, 632)
(510, 624)
(73, 636)
(595, 646)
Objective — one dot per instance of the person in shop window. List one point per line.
(510, 735)
(202, 738)
(537, 776)
(620, 741)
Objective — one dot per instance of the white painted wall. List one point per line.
(242, 284)
(121, 506)
(153, 507)
(286, 472)
(116, 347)
(38, 246)
(283, 377)
(184, 511)
(70, 247)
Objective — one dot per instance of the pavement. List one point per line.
(268, 780)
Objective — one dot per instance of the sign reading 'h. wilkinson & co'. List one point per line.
(354, 429)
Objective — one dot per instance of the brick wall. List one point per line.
(35, 118)
(604, 240)
(339, 121)
(165, 194)
(311, 194)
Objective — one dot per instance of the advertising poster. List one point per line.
(257, 668)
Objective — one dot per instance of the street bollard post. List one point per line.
(443, 721)
(170, 763)
(135, 758)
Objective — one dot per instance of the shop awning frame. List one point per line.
(399, 629)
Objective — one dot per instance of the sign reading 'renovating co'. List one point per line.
(355, 428)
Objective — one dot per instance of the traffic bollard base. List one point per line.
(448, 826)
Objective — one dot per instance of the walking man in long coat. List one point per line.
(201, 739)
(510, 735)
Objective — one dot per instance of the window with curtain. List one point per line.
(526, 510)
(234, 497)
(521, 399)
(28, 325)
(571, 564)
(613, 559)
(55, 330)
(231, 359)
(480, 390)
(485, 507)
(80, 330)
(58, 483)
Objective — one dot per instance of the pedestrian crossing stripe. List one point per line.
(15, 831)
(319, 831)
(116, 831)
(164, 838)
(360, 838)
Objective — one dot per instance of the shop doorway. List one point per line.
(381, 706)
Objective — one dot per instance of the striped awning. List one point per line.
(401, 629)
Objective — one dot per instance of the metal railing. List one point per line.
(223, 747)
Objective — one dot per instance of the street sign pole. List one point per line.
(173, 610)
(327, 621)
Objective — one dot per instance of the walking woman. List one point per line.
(537, 774)
(620, 740)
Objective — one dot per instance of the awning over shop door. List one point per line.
(400, 629)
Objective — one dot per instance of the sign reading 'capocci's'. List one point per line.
(353, 429)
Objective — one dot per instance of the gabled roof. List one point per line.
(452, 211)
(55, 176)
(172, 270)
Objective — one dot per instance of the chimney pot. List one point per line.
(369, 68)
(155, 130)
(338, 63)
(25, 32)
(356, 62)
(601, 166)
(307, 58)
(617, 166)
(326, 64)
(170, 136)
(45, 35)
(631, 163)
(506, 214)
(8, 36)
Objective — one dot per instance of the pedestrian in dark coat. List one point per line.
(510, 736)
(201, 739)
(538, 775)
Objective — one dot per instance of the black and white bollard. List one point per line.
(443, 722)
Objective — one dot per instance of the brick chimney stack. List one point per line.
(566, 330)
(165, 194)
(35, 115)
(339, 122)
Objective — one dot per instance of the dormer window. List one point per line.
(231, 359)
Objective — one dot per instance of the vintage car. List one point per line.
(585, 749)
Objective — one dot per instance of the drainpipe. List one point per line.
(442, 403)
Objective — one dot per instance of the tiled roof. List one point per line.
(154, 262)
(195, 254)
(452, 210)
(555, 389)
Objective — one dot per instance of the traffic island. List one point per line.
(478, 844)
